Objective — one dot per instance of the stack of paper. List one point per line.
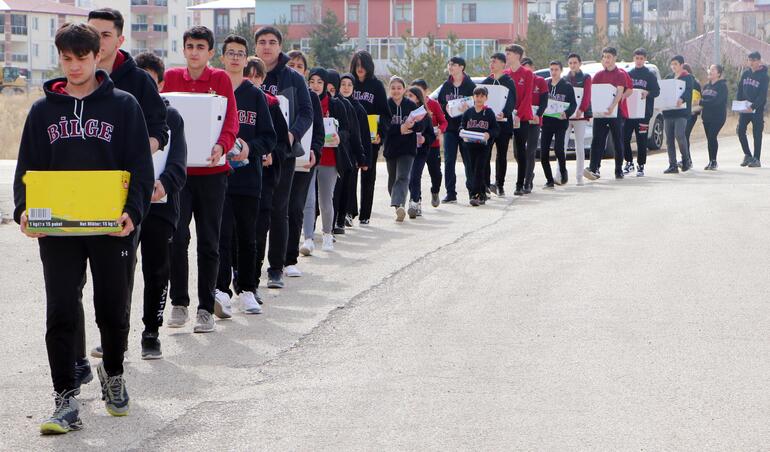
(472, 137)
(555, 108)
(454, 107)
(741, 106)
(331, 126)
(159, 160)
(418, 114)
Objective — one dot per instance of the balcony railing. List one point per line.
(162, 53)
(161, 2)
(139, 2)
(18, 30)
(19, 57)
(139, 27)
(160, 28)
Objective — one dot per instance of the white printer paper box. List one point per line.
(602, 96)
(204, 115)
(636, 105)
(307, 138)
(741, 106)
(671, 91)
(578, 100)
(159, 160)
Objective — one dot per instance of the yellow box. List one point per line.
(373, 122)
(75, 202)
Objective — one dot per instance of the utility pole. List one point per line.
(363, 25)
(717, 55)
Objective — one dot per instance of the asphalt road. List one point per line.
(623, 315)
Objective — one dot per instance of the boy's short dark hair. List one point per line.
(515, 48)
(480, 90)
(678, 58)
(199, 32)
(255, 67)
(421, 83)
(611, 50)
(499, 56)
(80, 39)
(641, 51)
(720, 69)
(235, 39)
(556, 63)
(755, 56)
(298, 54)
(113, 15)
(574, 55)
(527, 61)
(269, 30)
(148, 61)
(458, 60)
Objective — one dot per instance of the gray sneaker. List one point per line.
(114, 392)
(65, 417)
(178, 317)
(204, 322)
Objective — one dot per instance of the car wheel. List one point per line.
(655, 138)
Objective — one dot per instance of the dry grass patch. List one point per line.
(13, 113)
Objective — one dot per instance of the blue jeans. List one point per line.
(451, 142)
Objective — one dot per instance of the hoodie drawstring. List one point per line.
(79, 117)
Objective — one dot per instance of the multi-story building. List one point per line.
(28, 29)
(124, 6)
(481, 26)
(677, 18)
(157, 26)
(751, 17)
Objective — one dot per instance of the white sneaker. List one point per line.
(249, 303)
(400, 214)
(412, 210)
(292, 271)
(419, 209)
(223, 308)
(307, 248)
(328, 242)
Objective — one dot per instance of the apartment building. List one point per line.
(124, 6)
(751, 17)
(28, 29)
(157, 26)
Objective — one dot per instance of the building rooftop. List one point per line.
(224, 4)
(41, 6)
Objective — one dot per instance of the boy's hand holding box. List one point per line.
(204, 115)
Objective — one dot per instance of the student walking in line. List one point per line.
(577, 124)
(108, 134)
(457, 86)
(524, 80)
(370, 92)
(676, 120)
(752, 87)
(159, 225)
(539, 102)
(555, 128)
(479, 119)
(347, 87)
(400, 144)
(425, 141)
(334, 159)
(303, 185)
(433, 160)
(644, 79)
(714, 102)
(611, 124)
(697, 94)
(241, 208)
(505, 119)
(203, 195)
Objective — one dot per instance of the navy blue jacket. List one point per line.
(285, 81)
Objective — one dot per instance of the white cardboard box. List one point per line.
(307, 138)
(578, 100)
(636, 105)
(741, 105)
(204, 115)
(159, 160)
(602, 96)
(671, 90)
(498, 96)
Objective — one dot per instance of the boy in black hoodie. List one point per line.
(676, 120)
(347, 87)
(503, 139)
(457, 86)
(479, 119)
(239, 215)
(753, 88)
(159, 226)
(105, 131)
(643, 79)
(561, 91)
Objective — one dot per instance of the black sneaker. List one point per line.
(628, 168)
(746, 160)
(114, 392)
(83, 374)
(755, 164)
(518, 192)
(65, 417)
(619, 175)
(500, 191)
(449, 200)
(364, 222)
(548, 186)
(564, 177)
(257, 297)
(590, 174)
(475, 202)
(640, 171)
(488, 191)
(434, 200)
(671, 170)
(274, 279)
(151, 345)
(686, 166)
(348, 221)
(338, 230)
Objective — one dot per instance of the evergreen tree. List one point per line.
(568, 31)
(540, 44)
(423, 59)
(325, 40)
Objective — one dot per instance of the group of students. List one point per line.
(107, 113)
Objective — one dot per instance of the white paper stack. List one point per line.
(204, 115)
(636, 105)
(741, 106)
(159, 160)
(453, 107)
(498, 97)
(418, 114)
(602, 96)
(472, 137)
(671, 91)
(555, 108)
(330, 129)
(578, 100)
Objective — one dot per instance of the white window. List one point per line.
(469, 12)
(173, 21)
(35, 23)
(588, 29)
(544, 8)
(52, 27)
(403, 12)
(353, 12)
(613, 8)
(173, 45)
(52, 55)
(35, 50)
(612, 30)
(561, 10)
(298, 14)
(588, 9)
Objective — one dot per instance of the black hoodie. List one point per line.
(103, 131)
(644, 78)
(714, 101)
(363, 127)
(128, 77)
(174, 175)
(371, 94)
(355, 148)
(506, 127)
(338, 111)
(317, 140)
(563, 92)
(256, 129)
(449, 92)
(397, 144)
(483, 121)
(753, 88)
(285, 81)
